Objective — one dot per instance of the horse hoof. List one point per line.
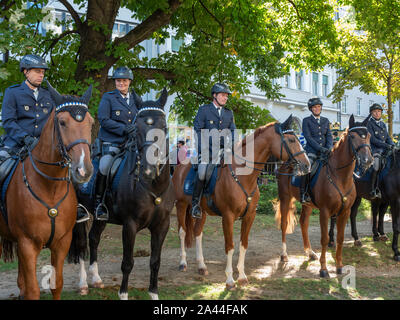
(123, 296)
(313, 257)
(376, 238)
(84, 291)
(182, 267)
(396, 258)
(284, 258)
(243, 282)
(153, 296)
(384, 238)
(98, 285)
(357, 243)
(339, 270)
(331, 244)
(324, 274)
(230, 286)
(203, 272)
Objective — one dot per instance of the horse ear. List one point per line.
(351, 121)
(365, 122)
(138, 100)
(287, 123)
(87, 95)
(58, 98)
(163, 98)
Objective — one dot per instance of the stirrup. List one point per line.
(86, 216)
(104, 216)
(198, 214)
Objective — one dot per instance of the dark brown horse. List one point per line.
(236, 194)
(333, 193)
(40, 200)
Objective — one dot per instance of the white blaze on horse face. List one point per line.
(182, 235)
(229, 269)
(240, 266)
(199, 252)
(81, 169)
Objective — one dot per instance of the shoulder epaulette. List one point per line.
(15, 85)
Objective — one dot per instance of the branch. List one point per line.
(54, 41)
(198, 93)
(295, 8)
(149, 73)
(73, 13)
(219, 22)
(5, 5)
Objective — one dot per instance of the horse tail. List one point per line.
(79, 247)
(189, 223)
(286, 215)
(8, 249)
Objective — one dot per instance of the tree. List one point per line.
(369, 56)
(228, 41)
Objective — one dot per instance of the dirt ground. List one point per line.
(262, 261)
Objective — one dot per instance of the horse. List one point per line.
(40, 203)
(241, 200)
(390, 191)
(144, 198)
(333, 193)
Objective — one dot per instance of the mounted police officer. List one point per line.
(211, 119)
(381, 144)
(319, 139)
(117, 111)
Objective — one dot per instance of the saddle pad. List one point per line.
(296, 180)
(189, 182)
(117, 177)
(367, 175)
(4, 188)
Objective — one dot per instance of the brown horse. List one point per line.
(236, 193)
(333, 194)
(40, 200)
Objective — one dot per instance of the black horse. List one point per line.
(390, 191)
(143, 198)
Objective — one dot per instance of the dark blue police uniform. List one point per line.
(380, 139)
(23, 115)
(114, 115)
(317, 135)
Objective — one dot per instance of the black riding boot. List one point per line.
(101, 212)
(81, 214)
(304, 196)
(375, 193)
(196, 198)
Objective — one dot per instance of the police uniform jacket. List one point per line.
(208, 118)
(114, 115)
(380, 139)
(23, 115)
(317, 135)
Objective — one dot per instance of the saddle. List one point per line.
(312, 176)
(209, 185)
(7, 169)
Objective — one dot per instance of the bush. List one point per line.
(268, 196)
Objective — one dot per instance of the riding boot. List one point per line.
(375, 193)
(304, 196)
(196, 198)
(101, 212)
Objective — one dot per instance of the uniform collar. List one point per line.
(319, 118)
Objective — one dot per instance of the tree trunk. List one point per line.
(390, 107)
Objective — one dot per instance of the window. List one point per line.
(176, 44)
(287, 81)
(299, 80)
(325, 85)
(344, 104)
(315, 83)
(359, 106)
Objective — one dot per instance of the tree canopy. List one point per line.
(235, 42)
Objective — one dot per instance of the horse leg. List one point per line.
(27, 255)
(247, 222)
(381, 222)
(395, 210)
(284, 204)
(157, 239)
(227, 224)
(21, 281)
(332, 232)
(198, 232)
(323, 221)
(94, 240)
(341, 225)
(353, 221)
(375, 212)
(128, 241)
(83, 285)
(58, 253)
(304, 222)
(181, 208)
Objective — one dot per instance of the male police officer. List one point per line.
(211, 116)
(318, 135)
(380, 143)
(117, 110)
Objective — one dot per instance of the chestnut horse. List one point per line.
(333, 194)
(236, 195)
(40, 200)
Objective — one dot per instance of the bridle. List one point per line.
(78, 111)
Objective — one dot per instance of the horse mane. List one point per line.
(255, 134)
(341, 140)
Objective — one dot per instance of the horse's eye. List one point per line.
(150, 121)
(62, 123)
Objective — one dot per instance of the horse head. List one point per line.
(73, 126)
(152, 140)
(289, 149)
(359, 141)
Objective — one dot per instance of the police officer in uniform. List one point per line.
(319, 139)
(211, 116)
(117, 110)
(380, 142)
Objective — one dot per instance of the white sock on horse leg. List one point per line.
(94, 271)
(240, 265)
(182, 235)
(199, 252)
(82, 274)
(229, 269)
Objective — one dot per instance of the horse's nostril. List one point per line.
(81, 171)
